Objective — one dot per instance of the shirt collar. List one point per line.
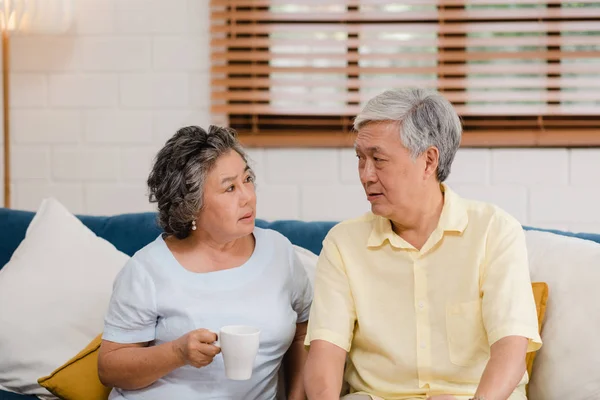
(454, 218)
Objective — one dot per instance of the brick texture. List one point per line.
(91, 108)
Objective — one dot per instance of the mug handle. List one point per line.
(216, 342)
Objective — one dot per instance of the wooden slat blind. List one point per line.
(513, 69)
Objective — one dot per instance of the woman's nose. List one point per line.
(247, 193)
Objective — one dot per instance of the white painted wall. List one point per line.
(89, 110)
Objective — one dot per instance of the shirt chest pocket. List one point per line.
(467, 339)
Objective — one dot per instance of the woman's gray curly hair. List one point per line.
(176, 181)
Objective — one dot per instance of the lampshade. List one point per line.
(36, 16)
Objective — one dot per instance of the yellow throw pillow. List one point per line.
(540, 294)
(78, 378)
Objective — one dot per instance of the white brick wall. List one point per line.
(90, 109)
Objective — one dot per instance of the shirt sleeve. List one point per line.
(508, 303)
(131, 315)
(303, 291)
(332, 315)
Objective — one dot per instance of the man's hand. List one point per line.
(442, 397)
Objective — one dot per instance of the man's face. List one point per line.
(392, 179)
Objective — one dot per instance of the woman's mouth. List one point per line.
(247, 216)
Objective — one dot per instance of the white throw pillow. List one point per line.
(566, 366)
(309, 261)
(54, 293)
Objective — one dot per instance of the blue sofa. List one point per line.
(130, 232)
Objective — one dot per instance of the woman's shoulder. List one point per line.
(270, 237)
(149, 250)
(147, 256)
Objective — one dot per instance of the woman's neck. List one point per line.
(203, 252)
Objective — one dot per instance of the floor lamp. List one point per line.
(5, 113)
(32, 17)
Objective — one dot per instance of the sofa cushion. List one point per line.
(566, 365)
(540, 294)
(127, 232)
(5, 395)
(54, 292)
(78, 378)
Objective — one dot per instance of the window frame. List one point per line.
(534, 132)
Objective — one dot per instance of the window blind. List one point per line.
(520, 67)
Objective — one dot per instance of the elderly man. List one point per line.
(428, 296)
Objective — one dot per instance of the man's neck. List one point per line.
(422, 220)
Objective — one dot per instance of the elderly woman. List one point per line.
(210, 268)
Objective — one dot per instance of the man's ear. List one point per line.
(432, 158)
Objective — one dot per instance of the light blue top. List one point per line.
(156, 299)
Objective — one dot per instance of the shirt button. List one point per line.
(421, 304)
(423, 345)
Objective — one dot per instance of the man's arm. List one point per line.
(503, 372)
(323, 377)
(330, 326)
(508, 308)
(505, 369)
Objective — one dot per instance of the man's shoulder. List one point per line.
(490, 215)
(352, 227)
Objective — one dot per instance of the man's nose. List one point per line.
(367, 173)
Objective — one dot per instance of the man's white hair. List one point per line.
(424, 118)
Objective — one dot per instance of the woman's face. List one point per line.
(229, 198)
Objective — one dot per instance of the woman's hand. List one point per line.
(196, 349)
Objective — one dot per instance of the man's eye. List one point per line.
(250, 178)
(230, 188)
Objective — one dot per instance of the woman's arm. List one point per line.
(136, 366)
(293, 364)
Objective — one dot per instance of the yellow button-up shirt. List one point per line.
(417, 323)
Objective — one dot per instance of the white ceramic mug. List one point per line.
(239, 346)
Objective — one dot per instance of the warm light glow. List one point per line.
(36, 16)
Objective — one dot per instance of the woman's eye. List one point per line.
(230, 188)
(250, 178)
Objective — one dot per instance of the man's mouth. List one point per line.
(373, 195)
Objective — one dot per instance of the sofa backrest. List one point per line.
(131, 232)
